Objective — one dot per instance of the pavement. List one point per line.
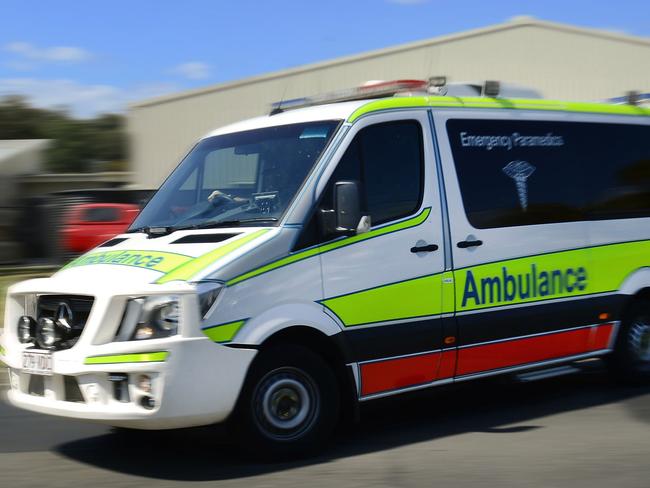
(575, 431)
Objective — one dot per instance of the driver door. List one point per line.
(385, 287)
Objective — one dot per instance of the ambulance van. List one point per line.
(347, 248)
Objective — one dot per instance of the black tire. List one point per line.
(630, 361)
(289, 404)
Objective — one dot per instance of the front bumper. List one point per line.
(198, 383)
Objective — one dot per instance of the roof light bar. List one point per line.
(491, 89)
(631, 98)
(375, 89)
(438, 81)
(435, 85)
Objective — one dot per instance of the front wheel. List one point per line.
(630, 360)
(289, 404)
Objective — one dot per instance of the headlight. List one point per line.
(208, 292)
(166, 316)
(150, 318)
(46, 334)
(26, 329)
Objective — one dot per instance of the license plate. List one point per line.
(37, 362)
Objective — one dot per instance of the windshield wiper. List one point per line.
(137, 230)
(159, 231)
(153, 231)
(224, 223)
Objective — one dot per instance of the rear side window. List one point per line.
(619, 184)
(101, 214)
(387, 159)
(523, 173)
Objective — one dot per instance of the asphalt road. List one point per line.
(575, 431)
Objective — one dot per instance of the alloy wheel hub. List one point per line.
(286, 403)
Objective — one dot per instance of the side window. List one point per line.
(392, 161)
(387, 160)
(620, 188)
(523, 173)
(520, 173)
(101, 214)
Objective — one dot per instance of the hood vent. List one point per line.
(203, 238)
(114, 242)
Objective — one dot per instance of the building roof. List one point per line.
(514, 23)
(19, 157)
(12, 147)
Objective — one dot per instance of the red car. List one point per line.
(90, 224)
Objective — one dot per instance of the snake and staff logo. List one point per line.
(520, 171)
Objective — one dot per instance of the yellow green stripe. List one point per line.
(162, 262)
(606, 268)
(481, 102)
(448, 292)
(405, 224)
(224, 332)
(419, 297)
(190, 269)
(147, 357)
(2, 351)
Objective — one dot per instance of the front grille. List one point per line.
(69, 313)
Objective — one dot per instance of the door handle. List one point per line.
(427, 248)
(466, 244)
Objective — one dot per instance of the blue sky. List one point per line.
(98, 56)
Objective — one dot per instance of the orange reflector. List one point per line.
(450, 340)
(604, 316)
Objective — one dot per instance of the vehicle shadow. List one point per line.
(488, 406)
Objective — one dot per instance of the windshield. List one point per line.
(237, 179)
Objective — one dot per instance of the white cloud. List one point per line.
(192, 70)
(19, 65)
(81, 99)
(62, 54)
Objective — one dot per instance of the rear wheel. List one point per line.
(631, 358)
(289, 404)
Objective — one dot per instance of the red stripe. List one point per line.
(447, 364)
(529, 350)
(602, 337)
(393, 374)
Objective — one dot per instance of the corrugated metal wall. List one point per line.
(562, 62)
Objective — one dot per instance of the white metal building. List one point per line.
(561, 61)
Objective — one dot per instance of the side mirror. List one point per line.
(347, 208)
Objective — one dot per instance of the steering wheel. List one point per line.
(218, 198)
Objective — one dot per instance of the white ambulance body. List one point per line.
(296, 264)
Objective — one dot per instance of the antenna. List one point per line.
(276, 108)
